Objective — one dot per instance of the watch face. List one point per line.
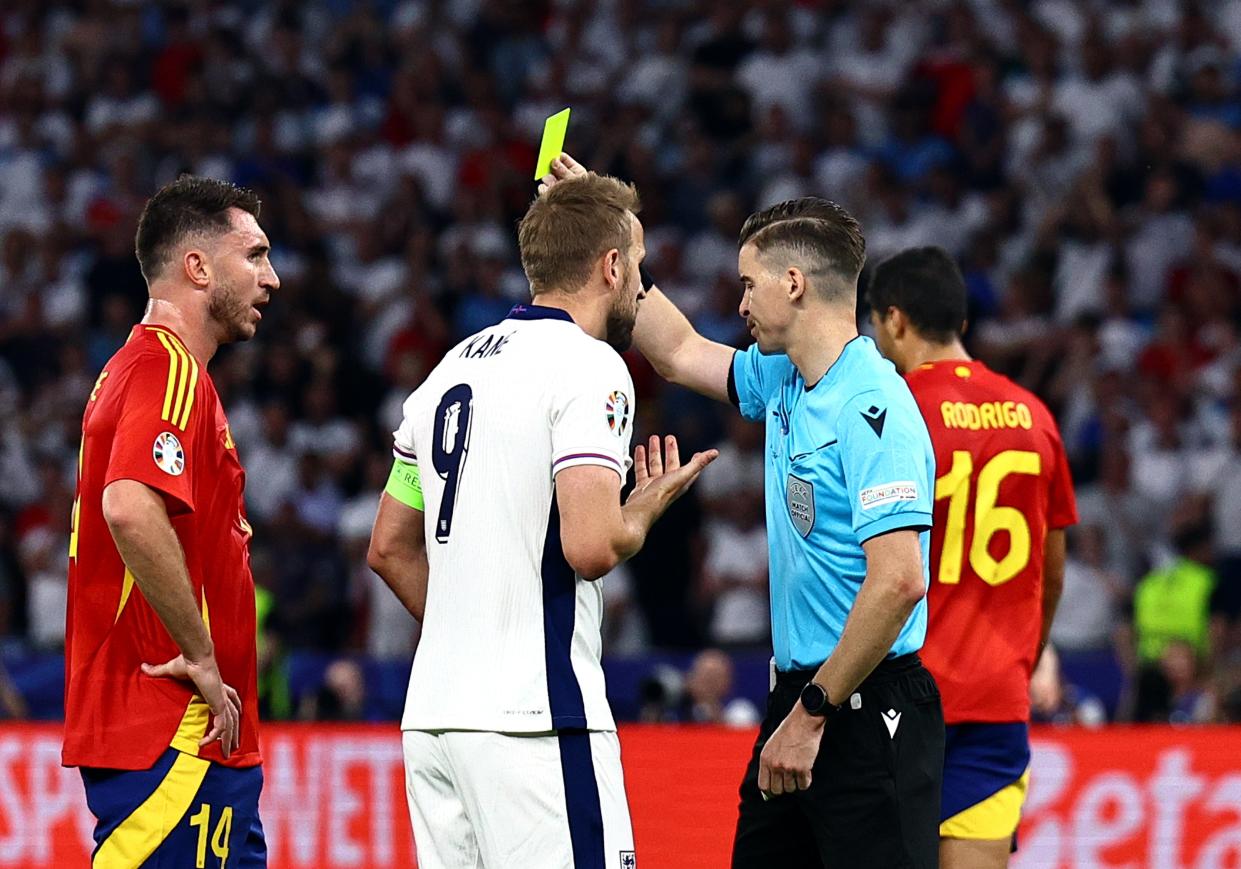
(814, 698)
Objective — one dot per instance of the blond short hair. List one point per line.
(573, 224)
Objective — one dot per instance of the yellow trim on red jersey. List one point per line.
(127, 587)
(197, 714)
(137, 837)
(189, 397)
(193, 726)
(172, 376)
(182, 381)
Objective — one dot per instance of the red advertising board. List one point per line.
(1162, 798)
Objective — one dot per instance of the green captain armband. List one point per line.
(405, 484)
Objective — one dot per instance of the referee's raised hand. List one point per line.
(223, 700)
(562, 168)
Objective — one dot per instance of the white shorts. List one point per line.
(495, 801)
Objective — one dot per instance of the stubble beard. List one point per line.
(230, 313)
(620, 323)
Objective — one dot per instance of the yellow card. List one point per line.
(554, 129)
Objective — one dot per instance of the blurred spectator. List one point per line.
(342, 697)
(1056, 701)
(1086, 616)
(387, 629)
(270, 458)
(44, 562)
(1219, 475)
(1082, 160)
(11, 702)
(734, 570)
(1172, 604)
(708, 688)
(275, 701)
(1189, 699)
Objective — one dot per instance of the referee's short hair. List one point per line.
(825, 241)
(190, 205)
(925, 284)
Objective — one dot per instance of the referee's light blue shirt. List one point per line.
(847, 460)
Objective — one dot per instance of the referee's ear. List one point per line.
(797, 283)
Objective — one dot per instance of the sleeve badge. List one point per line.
(618, 412)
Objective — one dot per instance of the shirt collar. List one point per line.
(834, 370)
(538, 312)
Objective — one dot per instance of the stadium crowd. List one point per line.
(1082, 160)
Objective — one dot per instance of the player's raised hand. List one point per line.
(223, 700)
(659, 474)
(563, 167)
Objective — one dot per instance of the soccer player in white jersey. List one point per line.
(515, 450)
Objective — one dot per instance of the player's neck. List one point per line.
(189, 325)
(818, 344)
(923, 352)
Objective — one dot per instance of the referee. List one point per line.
(849, 760)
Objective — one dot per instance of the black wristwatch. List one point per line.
(814, 701)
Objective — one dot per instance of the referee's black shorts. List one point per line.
(874, 794)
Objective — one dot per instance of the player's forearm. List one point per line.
(1051, 601)
(148, 545)
(1054, 555)
(595, 551)
(678, 353)
(406, 574)
(637, 521)
(882, 607)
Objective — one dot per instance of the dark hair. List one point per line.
(571, 225)
(826, 237)
(1191, 534)
(925, 284)
(185, 207)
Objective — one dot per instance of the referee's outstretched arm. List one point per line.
(662, 333)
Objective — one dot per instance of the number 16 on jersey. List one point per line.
(448, 452)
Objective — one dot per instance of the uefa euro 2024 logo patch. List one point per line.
(168, 455)
(618, 412)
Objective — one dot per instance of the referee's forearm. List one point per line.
(660, 332)
(879, 612)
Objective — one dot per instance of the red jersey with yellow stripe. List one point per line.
(154, 416)
(1002, 482)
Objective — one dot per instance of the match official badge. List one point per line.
(800, 496)
(618, 412)
(628, 860)
(168, 455)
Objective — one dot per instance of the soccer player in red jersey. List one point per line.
(1003, 497)
(161, 710)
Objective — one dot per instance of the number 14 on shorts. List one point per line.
(219, 838)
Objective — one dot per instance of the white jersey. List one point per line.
(511, 639)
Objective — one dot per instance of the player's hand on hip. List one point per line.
(224, 701)
(787, 759)
(658, 472)
(563, 167)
